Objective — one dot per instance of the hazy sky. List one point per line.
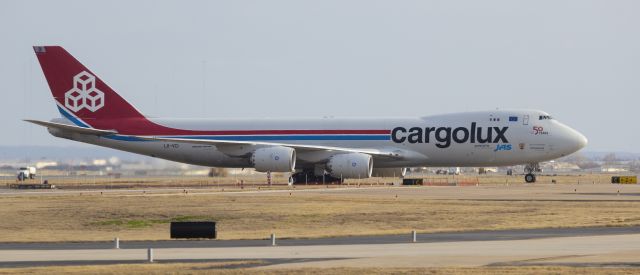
(578, 60)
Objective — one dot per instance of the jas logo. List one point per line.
(539, 130)
(84, 94)
(502, 147)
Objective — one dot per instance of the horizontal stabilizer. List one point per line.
(72, 128)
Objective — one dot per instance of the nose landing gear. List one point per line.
(530, 169)
(530, 178)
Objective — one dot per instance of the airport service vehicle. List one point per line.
(27, 173)
(342, 148)
(454, 171)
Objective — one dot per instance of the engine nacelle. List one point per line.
(352, 165)
(389, 172)
(274, 159)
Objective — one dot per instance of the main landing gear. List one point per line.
(529, 170)
(308, 176)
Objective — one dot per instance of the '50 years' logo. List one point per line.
(539, 130)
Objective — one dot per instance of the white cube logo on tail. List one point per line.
(84, 94)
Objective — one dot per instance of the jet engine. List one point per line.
(274, 159)
(352, 165)
(389, 172)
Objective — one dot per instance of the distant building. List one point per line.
(45, 164)
(99, 162)
(562, 166)
(613, 169)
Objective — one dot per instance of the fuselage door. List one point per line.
(525, 120)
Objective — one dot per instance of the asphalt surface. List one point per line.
(497, 235)
(611, 250)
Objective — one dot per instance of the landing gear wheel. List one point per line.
(530, 178)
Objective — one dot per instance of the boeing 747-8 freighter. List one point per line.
(342, 148)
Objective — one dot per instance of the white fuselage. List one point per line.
(460, 139)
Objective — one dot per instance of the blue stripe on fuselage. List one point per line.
(288, 137)
(124, 138)
(72, 118)
(265, 138)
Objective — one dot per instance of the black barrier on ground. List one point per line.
(412, 181)
(193, 230)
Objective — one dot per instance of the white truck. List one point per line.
(454, 171)
(26, 173)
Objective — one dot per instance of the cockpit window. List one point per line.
(544, 117)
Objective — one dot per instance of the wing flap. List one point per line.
(299, 147)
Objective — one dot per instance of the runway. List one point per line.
(574, 246)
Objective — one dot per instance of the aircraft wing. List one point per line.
(72, 128)
(222, 143)
(298, 147)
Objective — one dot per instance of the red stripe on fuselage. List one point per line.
(143, 126)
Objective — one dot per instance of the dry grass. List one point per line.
(74, 217)
(249, 216)
(224, 268)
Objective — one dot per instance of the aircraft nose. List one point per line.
(582, 140)
(576, 140)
